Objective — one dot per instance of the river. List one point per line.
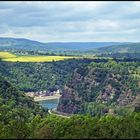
(49, 104)
(52, 105)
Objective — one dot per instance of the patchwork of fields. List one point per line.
(7, 56)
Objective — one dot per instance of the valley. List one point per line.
(70, 87)
(69, 70)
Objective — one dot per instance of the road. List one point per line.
(60, 115)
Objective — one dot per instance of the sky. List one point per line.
(66, 21)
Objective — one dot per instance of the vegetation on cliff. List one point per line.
(101, 88)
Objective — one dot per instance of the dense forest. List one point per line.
(16, 111)
(20, 118)
(10, 96)
(48, 75)
(102, 95)
(96, 86)
(121, 55)
(40, 76)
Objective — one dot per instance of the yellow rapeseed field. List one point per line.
(6, 56)
(37, 58)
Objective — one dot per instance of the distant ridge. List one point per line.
(123, 48)
(82, 46)
(7, 43)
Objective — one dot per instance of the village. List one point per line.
(43, 93)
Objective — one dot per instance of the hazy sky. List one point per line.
(71, 21)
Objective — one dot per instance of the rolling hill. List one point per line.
(19, 44)
(30, 45)
(80, 46)
(123, 48)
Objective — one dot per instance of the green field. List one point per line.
(7, 56)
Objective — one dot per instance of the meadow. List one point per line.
(9, 57)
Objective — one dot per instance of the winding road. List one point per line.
(57, 113)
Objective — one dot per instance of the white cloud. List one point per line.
(71, 21)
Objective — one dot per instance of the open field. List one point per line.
(36, 58)
(6, 56)
(9, 57)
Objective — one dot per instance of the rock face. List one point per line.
(69, 101)
(98, 85)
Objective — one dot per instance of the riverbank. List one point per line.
(60, 114)
(37, 99)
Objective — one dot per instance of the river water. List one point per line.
(49, 104)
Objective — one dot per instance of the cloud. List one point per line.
(71, 21)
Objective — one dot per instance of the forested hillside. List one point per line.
(87, 127)
(11, 98)
(20, 44)
(127, 55)
(80, 46)
(21, 118)
(105, 91)
(16, 111)
(123, 48)
(86, 84)
(44, 76)
(102, 88)
(40, 76)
